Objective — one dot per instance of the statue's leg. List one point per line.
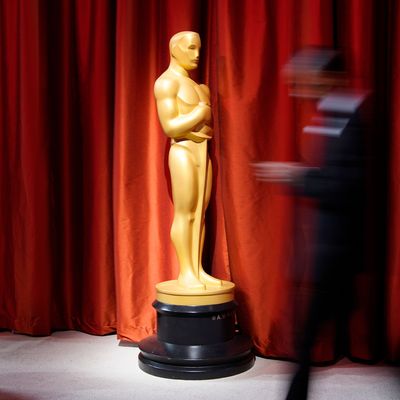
(182, 167)
(204, 277)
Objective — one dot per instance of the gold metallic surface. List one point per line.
(171, 292)
(184, 112)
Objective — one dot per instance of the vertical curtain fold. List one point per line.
(393, 276)
(26, 175)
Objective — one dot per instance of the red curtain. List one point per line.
(57, 99)
(84, 183)
(393, 276)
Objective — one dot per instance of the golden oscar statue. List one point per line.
(196, 309)
(185, 115)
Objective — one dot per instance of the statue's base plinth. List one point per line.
(170, 292)
(195, 342)
(174, 361)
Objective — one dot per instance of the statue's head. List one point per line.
(184, 48)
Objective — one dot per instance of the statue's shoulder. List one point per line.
(166, 85)
(205, 89)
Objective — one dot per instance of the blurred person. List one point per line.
(338, 188)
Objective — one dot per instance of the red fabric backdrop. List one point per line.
(84, 184)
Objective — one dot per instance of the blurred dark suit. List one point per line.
(338, 187)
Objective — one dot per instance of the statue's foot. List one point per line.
(190, 281)
(209, 280)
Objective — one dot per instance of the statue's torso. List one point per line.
(190, 94)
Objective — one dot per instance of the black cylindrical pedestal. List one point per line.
(195, 342)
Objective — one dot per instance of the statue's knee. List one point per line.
(183, 218)
(190, 217)
(181, 223)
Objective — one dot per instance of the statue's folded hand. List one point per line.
(205, 109)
